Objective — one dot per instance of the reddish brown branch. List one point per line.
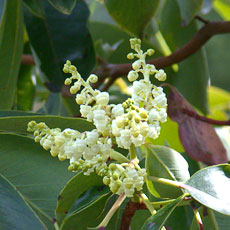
(114, 71)
(205, 119)
(129, 212)
(200, 38)
(28, 59)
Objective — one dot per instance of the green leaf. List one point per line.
(192, 84)
(12, 113)
(223, 8)
(54, 42)
(211, 220)
(211, 186)
(54, 105)
(87, 217)
(189, 9)
(169, 134)
(132, 15)
(217, 47)
(2, 7)
(19, 124)
(35, 7)
(64, 6)
(207, 6)
(71, 192)
(166, 163)
(181, 218)
(139, 219)
(25, 86)
(111, 36)
(156, 221)
(34, 174)
(11, 45)
(15, 213)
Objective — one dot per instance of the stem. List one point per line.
(118, 157)
(147, 203)
(114, 208)
(166, 181)
(55, 224)
(159, 204)
(197, 215)
(129, 212)
(132, 152)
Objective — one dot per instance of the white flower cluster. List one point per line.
(124, 178)
(86, 151)
(141, 115)
(128, 125)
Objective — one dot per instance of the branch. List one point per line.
(28, 59)
(200, 38)
(129, 212)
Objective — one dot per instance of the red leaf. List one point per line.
(198, 138)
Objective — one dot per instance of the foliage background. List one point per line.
(36, 38)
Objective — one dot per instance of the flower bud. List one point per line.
(85, 110)
(102, 98)
(112, 166)
(136, 65)
(130, 56)
(93, 78)
(161, 75)
(75, 88)
(150, 52)
(68, 81)
(80, 99)
(133, 75)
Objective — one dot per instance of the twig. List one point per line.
(202, 19)
(200, 38)
(28, 59)
(114, 71)
(129, 212)
(205, 119)
(197, 215)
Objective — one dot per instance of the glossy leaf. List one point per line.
(211, 186)
(180, 219)
(11, 45)
(165, 163)
(64, 6)
(156, 221)
(15, 213)
(211, 220)
(189, 9)
(198, 138)
(35, 6)
(70, 194)
(54, 42)
(34, 174)
(192, 84)
(12, 113)
(207, 6)
(19, 124)
(132, 15)
(90, 216)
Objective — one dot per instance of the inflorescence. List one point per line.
(127, 125)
